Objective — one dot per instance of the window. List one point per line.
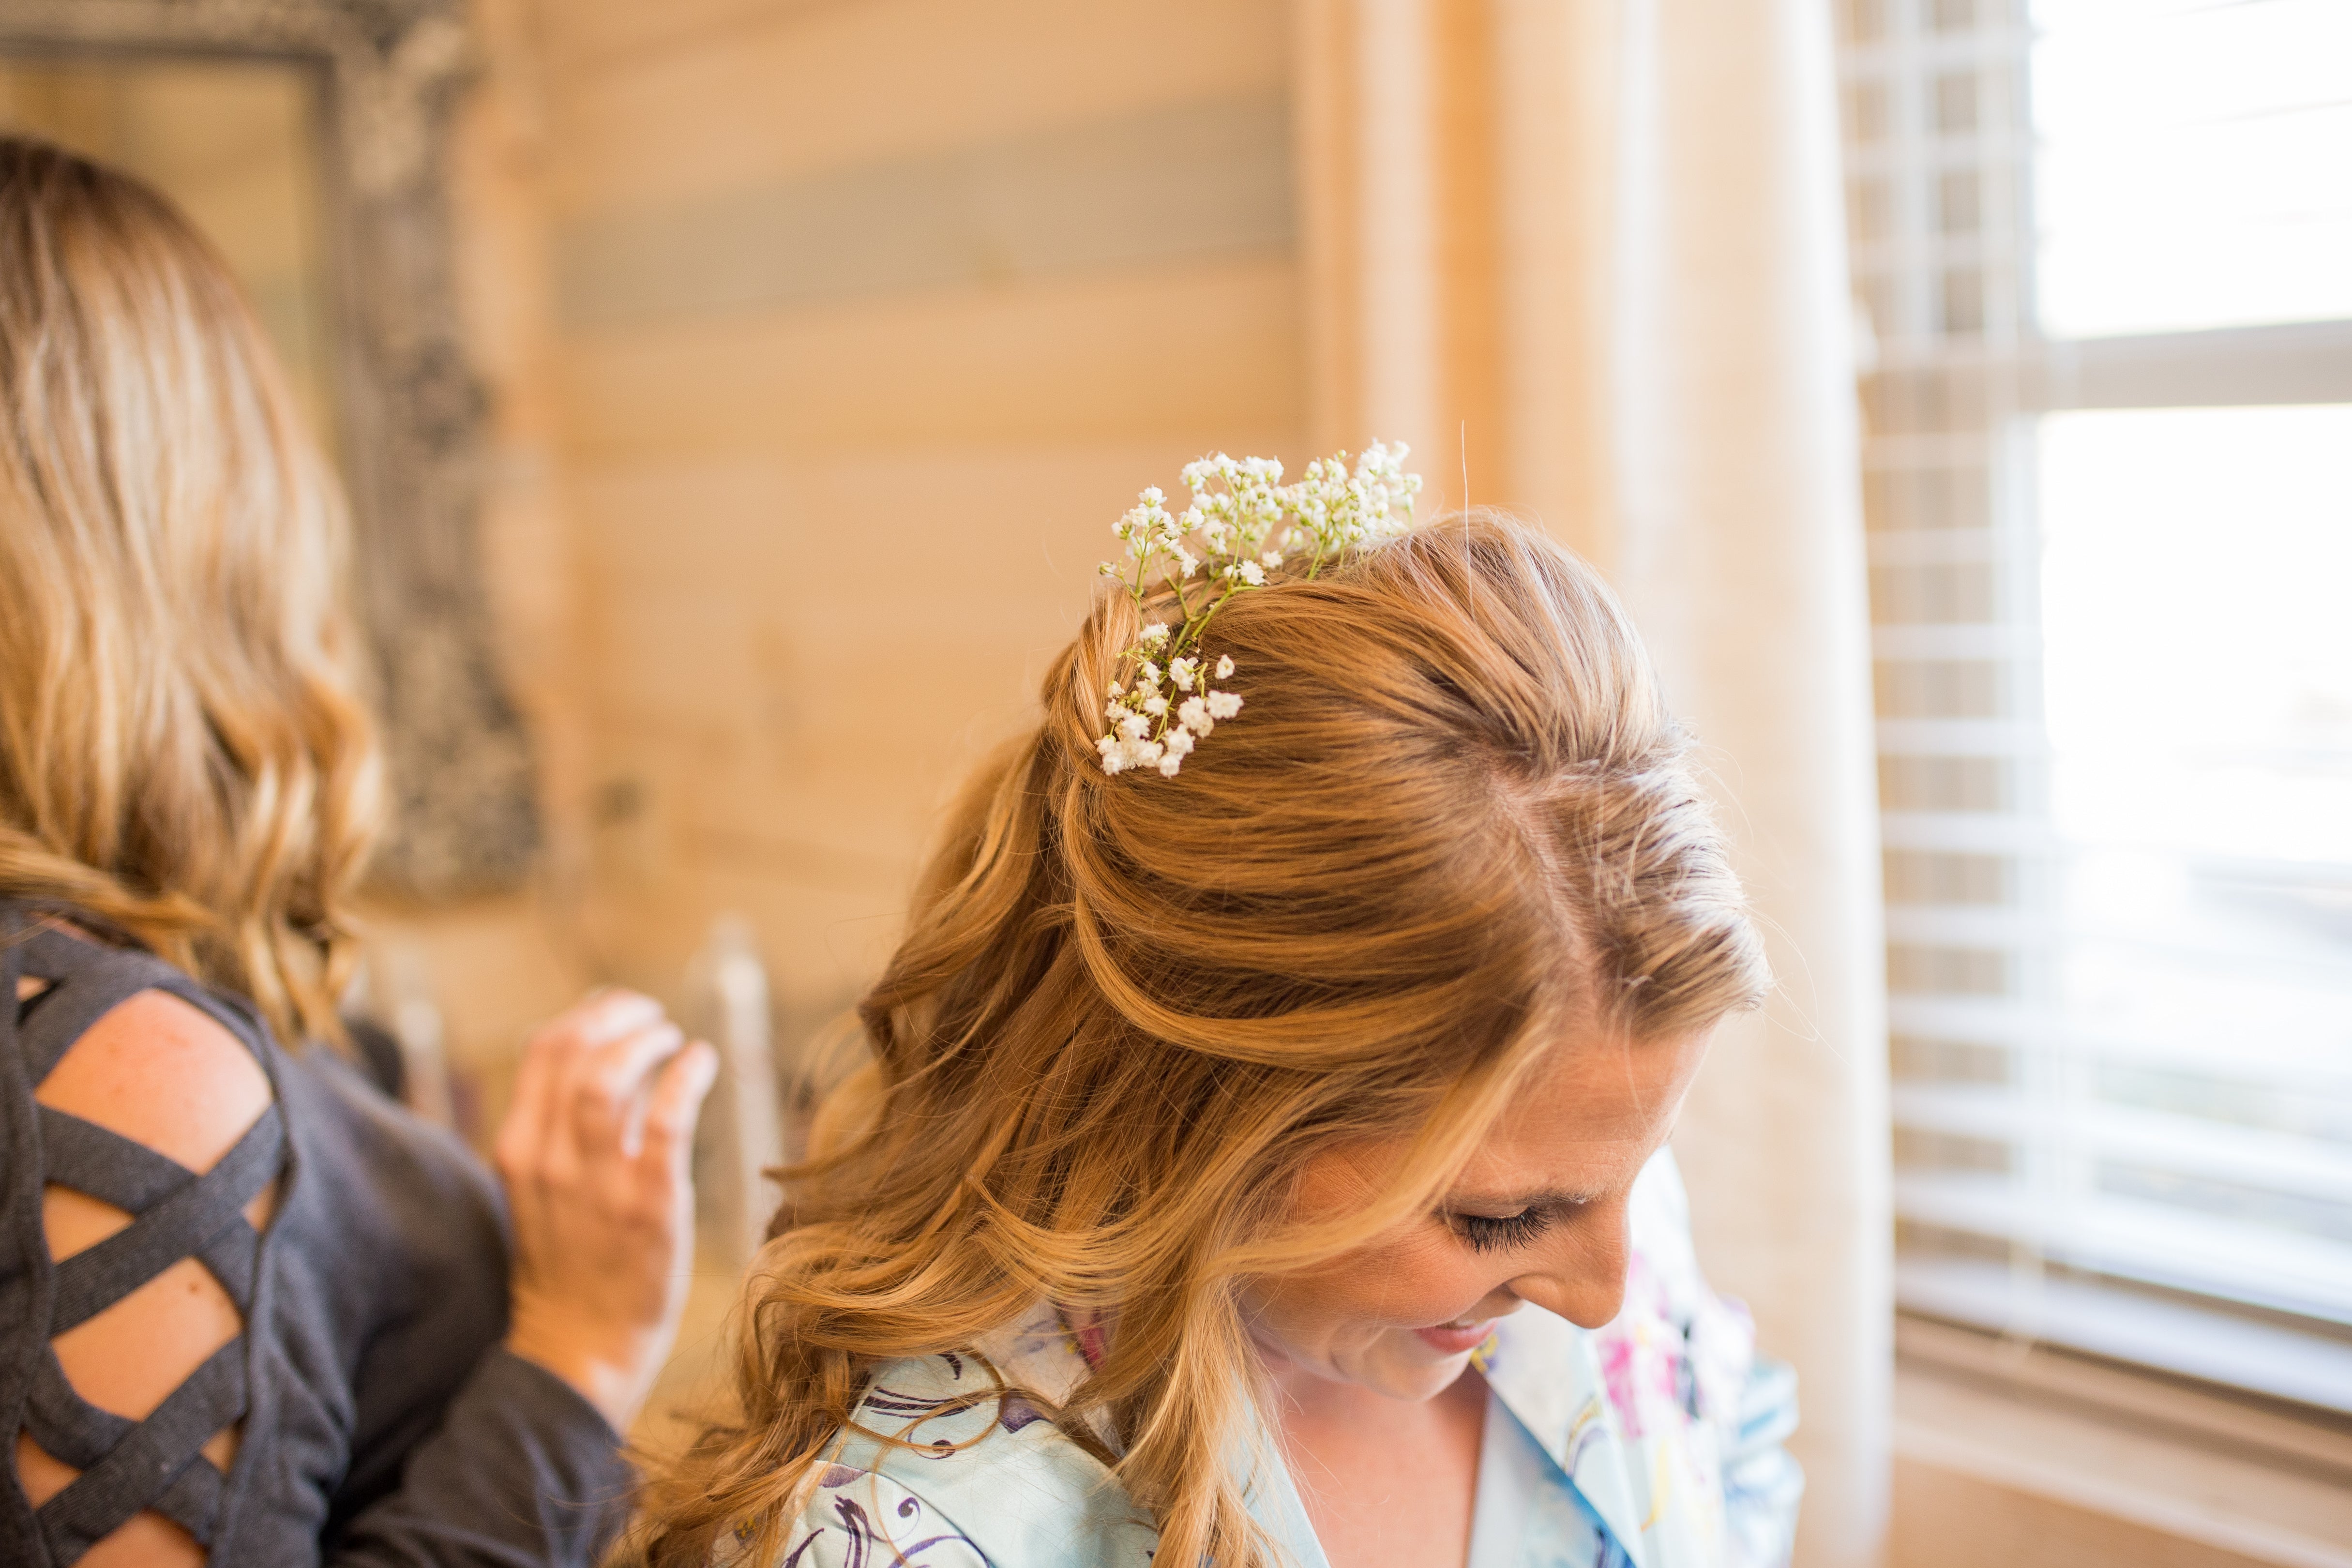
(2106, 247)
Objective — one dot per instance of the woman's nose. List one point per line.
(1584, 1280)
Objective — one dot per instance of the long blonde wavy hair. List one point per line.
(1454, 828)
(182, 753)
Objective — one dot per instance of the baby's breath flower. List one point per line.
(1244, 523)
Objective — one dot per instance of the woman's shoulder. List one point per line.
(944, 1465)
(389, 1262)
(373, 1154)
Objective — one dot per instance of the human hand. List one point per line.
(594, 1155)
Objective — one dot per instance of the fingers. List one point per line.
(604, 1015)
(605, 1245)
(552, 1062)
(675, 1106)
(607, 1086)
(525, 1127)
(520, 1130)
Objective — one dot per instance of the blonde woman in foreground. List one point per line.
(250, 1310)
(1261, 1102)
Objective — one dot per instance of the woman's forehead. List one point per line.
(1588, 1113)
(1579, 1125)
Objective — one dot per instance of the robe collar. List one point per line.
(1546, 1373)
(1542, 1367)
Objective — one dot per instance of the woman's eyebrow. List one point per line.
(1546, 1197)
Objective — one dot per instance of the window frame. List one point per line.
(1959, 376)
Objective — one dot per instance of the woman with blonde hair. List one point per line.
(1261, 1100)
(250, 1310)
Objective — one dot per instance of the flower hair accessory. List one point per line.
(1243, 524)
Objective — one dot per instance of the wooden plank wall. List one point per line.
(866, 319)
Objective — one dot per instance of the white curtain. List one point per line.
(1587, 256)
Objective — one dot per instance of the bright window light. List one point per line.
(2195, 163)
(2114, 668)
(2197, 617)
(2198, 681)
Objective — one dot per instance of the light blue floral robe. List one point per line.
(1653, 1443)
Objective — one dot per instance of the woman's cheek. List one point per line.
(1412, 1284)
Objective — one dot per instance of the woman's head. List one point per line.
(1155, 1047)
(181, 752)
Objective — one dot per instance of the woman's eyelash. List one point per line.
(1495, 1233)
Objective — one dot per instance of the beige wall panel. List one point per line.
(587, 36)
(871, 319)
(1175, 186)
(1183, 352)
(495, 969)
(824, 923)
(761, 92)
(798, 661)
(529, 558)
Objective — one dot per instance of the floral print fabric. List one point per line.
(1663, 1424)
(1650, 1443)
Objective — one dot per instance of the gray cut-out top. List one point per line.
(382, 1423)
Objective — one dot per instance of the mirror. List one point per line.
(307, 139)
(236, 144)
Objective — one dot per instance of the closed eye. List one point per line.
(1498, 1232)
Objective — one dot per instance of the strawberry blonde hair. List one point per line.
(1454, 828)
(182, 754)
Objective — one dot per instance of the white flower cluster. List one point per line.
(1243, 525)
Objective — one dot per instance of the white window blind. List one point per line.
(2106, 248)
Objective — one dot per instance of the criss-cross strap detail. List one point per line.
(156, 1463)
(135, 1179)
(84, 982)
(203, 1217)
(128, 1466)
(80, 984)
